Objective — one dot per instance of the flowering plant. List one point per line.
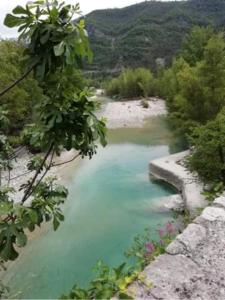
(145, 248)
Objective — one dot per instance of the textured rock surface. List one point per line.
(194, 265)
(173, 202)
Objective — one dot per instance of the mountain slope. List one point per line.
(139, 34)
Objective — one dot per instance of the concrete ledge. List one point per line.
(170, 170)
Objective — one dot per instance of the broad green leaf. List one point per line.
(45, 37)
(7, 251)
(21, 239)
(59, 49)
(5, 208)
(18, 10)
(56, 223)
(33, 215)
(12, 21)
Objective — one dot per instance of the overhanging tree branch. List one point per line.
(43, 175)
(27, 193)
(66, 162)
(2, 93)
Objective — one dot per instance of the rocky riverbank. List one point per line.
(194, 264)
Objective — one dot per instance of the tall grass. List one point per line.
(132, 83)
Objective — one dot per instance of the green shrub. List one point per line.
(208, 156)
(214, 191)
(132, 83)
(194, 85)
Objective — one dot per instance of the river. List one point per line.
(111, 200)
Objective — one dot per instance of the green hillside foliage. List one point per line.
(139, 34)
(132, 83)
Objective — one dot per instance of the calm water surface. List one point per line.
(111, 200)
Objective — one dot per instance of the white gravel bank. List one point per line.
(131, 113)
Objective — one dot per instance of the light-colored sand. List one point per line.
(131, 113)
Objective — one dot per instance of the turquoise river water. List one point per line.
(111, 200)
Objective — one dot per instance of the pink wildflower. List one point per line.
(161, 233)
(169, 228)
(150, 248)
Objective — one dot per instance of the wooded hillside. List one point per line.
(139, 34)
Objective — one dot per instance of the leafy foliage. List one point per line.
(20, 100)
(64, 118)
(54, 40)
(132, 83)
(195, 93)
(193, 47)
(208, 157)
(15, 218)
(214, 191)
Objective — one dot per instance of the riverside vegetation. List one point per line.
(46, 67)
(194, 90)
(110, 281)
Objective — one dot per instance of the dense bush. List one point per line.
(193, 46)
(132, 83)
(208, 157)
(194, 88)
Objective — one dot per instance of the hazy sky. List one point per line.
(86, 6)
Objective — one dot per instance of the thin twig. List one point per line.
(43, 175)
(2, 93)
(14, 154)
(9, 176)
(36, 175)
(66, 162)
(21, 175)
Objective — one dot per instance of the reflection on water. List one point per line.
(156, 131)
(109, 203)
